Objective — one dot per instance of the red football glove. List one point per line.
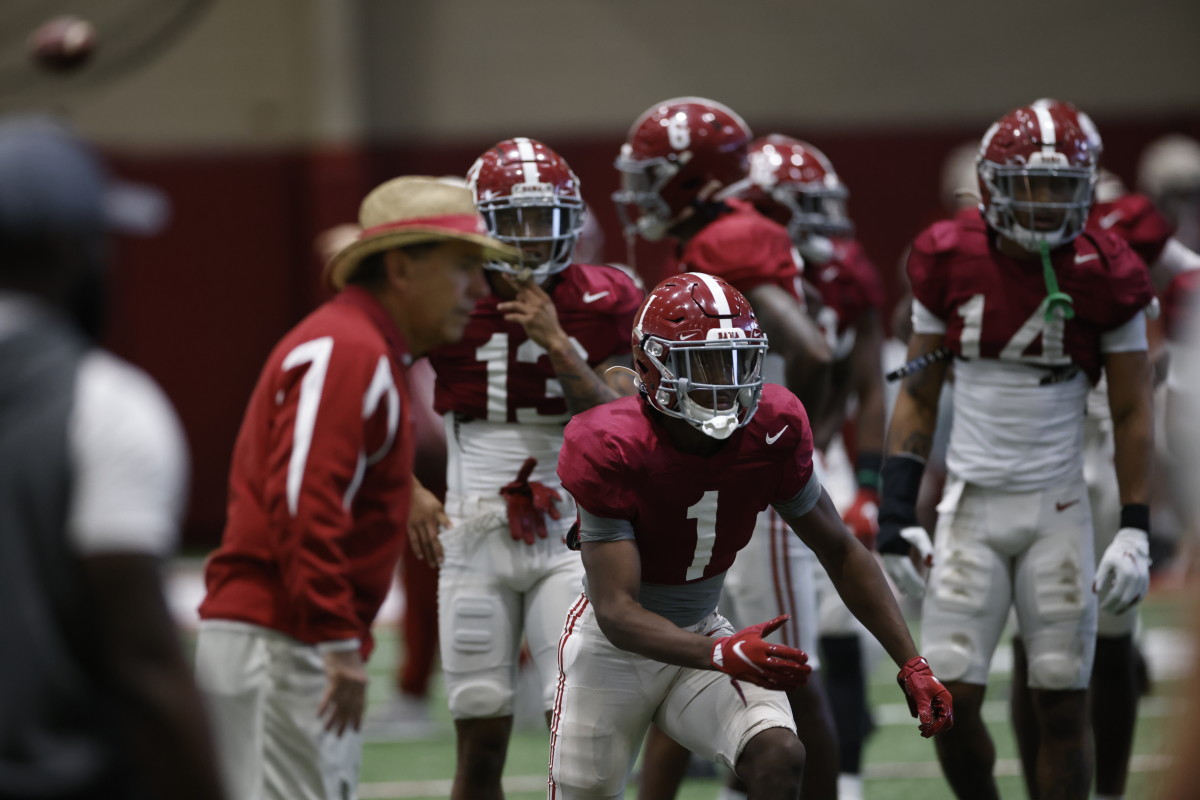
(527, 501)
(746, 657)
(928, 699)
(862, 517)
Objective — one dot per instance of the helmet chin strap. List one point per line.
(717, 424)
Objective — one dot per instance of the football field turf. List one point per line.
(899, 764)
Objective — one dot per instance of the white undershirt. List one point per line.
(130, 459)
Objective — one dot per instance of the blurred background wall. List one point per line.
(265, 121)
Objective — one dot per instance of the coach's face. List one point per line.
(438, 289)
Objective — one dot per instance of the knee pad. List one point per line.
(951, 660)
(1056, 671)
(480, 698)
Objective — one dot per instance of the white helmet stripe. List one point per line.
(1046, 122)
(528, 160)
(719, 299)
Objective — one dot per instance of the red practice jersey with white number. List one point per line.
(691, 514)
(993, 305)
(321, 480)
(1135, 219)
(745, 248)
(496, 373)
(850, 287)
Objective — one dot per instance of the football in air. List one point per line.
(62, 44)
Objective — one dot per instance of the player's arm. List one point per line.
(909, 442)
(426, 518)
(795, 336)
(614, 574)
(161, 711)
(582, 386)
(860, 583)
(863, 515)
(1123, 575)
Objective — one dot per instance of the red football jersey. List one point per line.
(691, 514)
(497, 373)
(745, 248)
(321, 480)
(849, 286)
(993, 305)
(1135, 219)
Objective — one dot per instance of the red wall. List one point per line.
(200, 305)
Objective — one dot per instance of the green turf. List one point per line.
(894, 751)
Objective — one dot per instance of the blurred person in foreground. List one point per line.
(98, 698)
(319, 495)
(1034, 307)
(669, 485)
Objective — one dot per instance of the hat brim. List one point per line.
(343, 264)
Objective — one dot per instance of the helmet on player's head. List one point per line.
(698, 353)
(1037, 169)
(530, 199)
(679, 155)
(794, 184)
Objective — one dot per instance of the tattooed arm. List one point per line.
(914, 417)
(582, 386)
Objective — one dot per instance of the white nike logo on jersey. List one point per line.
(588, 297)
(1084, 259)
(1110, 219)
(773, 439)
(737, 648)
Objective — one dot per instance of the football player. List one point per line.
(794, 183)
(669, 486)
(536, 350)
(682, 164)
(1115, 682)
(1034, 307)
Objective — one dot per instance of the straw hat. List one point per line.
(411, 210)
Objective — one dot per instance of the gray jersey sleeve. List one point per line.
(803, 502)
(603, 529)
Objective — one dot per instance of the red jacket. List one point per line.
(321, 480)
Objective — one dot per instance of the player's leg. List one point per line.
(557, 575)
(1024, 718)
(748, 729)
(1056, 610)
(602, 707)
(966, 606)
(479, 629)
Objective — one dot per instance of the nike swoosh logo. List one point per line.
(1087, 258)
(1108, 220)
(687, 335)
(1065, 506)
(588, 297)
(773, 439)
(737, 649)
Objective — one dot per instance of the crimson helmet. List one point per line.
(530, 199)
(698, 353)
(679, 154)
(1037, 168)
(794, 184)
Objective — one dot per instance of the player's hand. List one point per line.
(534, 309)
(862, 517)
(426, 518)
(746, 657)
(928, 700)
(527, 502)
(903, 569)
(1124, 572)
(345, 691)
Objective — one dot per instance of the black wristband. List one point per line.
(1136, 515)
(901, 482)
(866, 469)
